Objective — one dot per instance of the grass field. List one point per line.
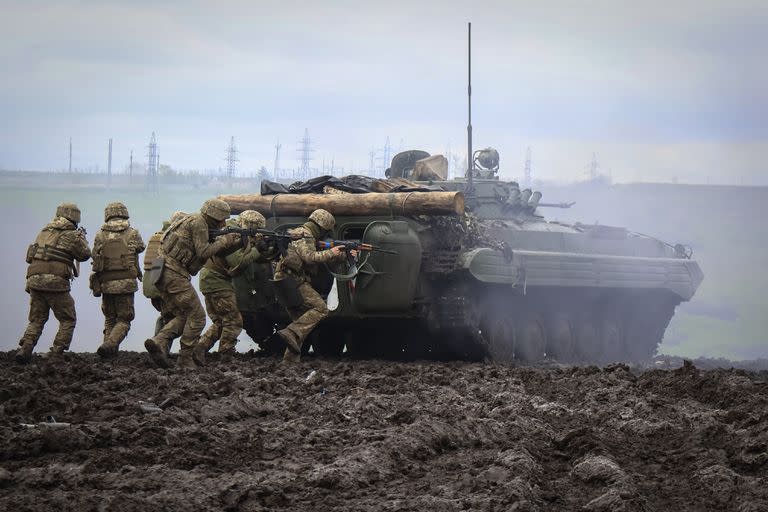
(724, 226)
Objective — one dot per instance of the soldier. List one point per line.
(184, 248)
(51, 268)
(148, 287)
(116, 250)
(219, 292)
(295, 269)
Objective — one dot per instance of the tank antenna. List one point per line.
(470, 160)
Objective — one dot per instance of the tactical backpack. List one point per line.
(153, 248)
(114, 259)
(46, 257)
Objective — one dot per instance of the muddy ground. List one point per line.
(377, 435)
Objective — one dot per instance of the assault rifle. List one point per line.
(352, 245)
(245, 232)
(353, 264)
(269, 237)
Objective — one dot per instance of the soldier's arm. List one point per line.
(238, 261)
(306, 250)
(78, 245)
(137, 243)
(205, 249)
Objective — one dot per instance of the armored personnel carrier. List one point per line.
(477, 273)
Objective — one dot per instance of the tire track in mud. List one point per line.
(378, 435)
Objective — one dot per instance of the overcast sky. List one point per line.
(660, 90)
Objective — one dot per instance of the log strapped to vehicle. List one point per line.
(373, 203)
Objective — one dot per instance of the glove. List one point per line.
(264, 246)
(94, 283)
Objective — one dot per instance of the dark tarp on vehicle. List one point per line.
(353, 184)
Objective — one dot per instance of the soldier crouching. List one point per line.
(149, 289)
(184, 249)
(116, 250)
(294, 270)
(219, 292)
(52, 267)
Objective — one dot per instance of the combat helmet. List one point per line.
(69, 211)
(251, 219)
(323, 218)
(216, 209)
(116, 209)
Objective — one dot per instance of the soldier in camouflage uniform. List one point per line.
(116, 250)
(184, 249)
(219, 292)
(51, 268)
(300, 262)
(148, 287)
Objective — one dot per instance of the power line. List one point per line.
(527, 177)
(305, 155)
(231, 160)
(109, 165)
(277, 158)
(153, 163)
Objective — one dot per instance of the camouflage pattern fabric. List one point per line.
(227, 322)
(466, 231)
(118, 314)
(306, 317)
(166, 316)
(70, 240)
(110, 230)
(63, 306)
(301, 262)
(185, 245)
(302, 257)
(153, 246)
(218, 271)
(182, 302)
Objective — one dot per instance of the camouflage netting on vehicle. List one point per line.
(466, 231)
(352, 184)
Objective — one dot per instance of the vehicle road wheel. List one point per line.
(530, 340)
(588, 348)
(611, 337)
(498, 333)
(561, 344)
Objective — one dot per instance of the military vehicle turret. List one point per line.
(478, 273)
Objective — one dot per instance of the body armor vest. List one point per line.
(153, 246)
(114, 259)
(180, 248)
(45, 256)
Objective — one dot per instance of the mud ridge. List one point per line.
(379, 435)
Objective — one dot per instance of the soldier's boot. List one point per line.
(186, 360)
(227, 355)
(24, 354)
(56, 353)
(157, 353)
(290, 357)
(199, 351)
(107, 350)
(291, 343)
